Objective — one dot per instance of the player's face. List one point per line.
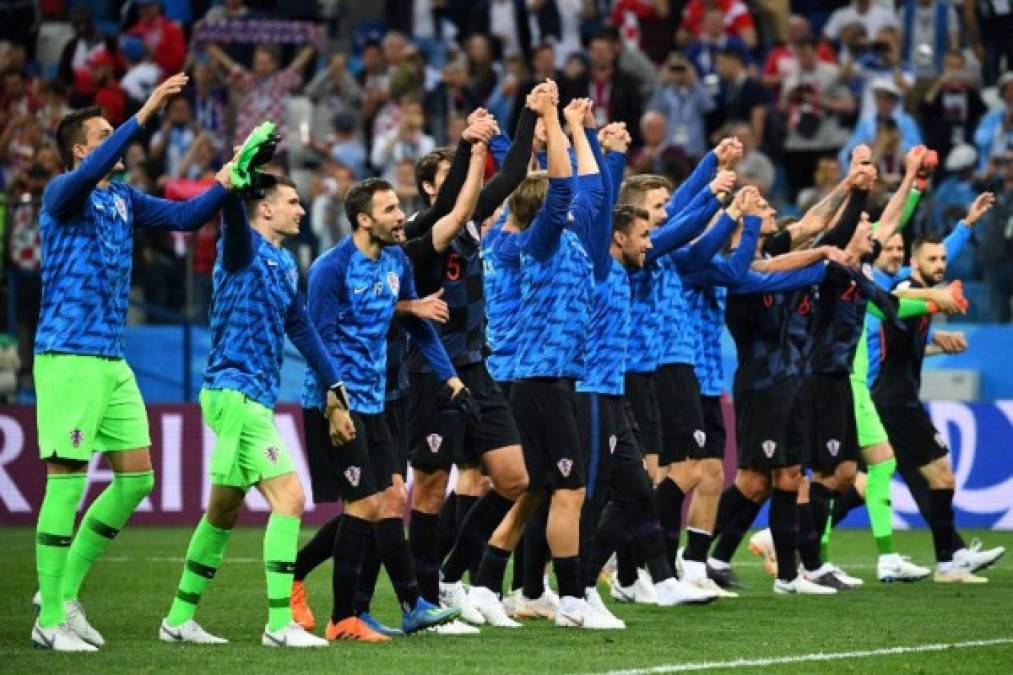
(930, 261)
(96, 130)
(386, 219)
(635, 244)
(286, 211)
(654, 204)
(892, 257)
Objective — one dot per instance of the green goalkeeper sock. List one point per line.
(281, 542)
(101, 523)
(203, 556)
(877, 501)
(52, 541)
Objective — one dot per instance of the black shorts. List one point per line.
(440, 438)
(714, 426)
(643, 399)
(396, 414)
(765, 424)
(829, 435)
(546, 411)
(912, 433)
(356, 470)
(682, 427)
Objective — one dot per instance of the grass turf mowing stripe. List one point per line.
(807, 658)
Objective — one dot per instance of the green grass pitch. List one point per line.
(129, 591)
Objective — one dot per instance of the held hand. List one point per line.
(723, 182)
(913, 159)
(979, 207)
(950, 342)
(950, 299)
(481, 131)
(342, 428)
(170, 87)
(864, 177)
(729, 151)
(574, 112)
(540, 101)
(836, 255)
(462, 400)
(432, 307)
(477, 114)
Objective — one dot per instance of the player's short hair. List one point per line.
(268, 184)
(528, 198)
(70, 132)
(428, 165)
(624, 215)
(923, 240)
(360, 198)
(635, 188)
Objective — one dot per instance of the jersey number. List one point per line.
(454, 267)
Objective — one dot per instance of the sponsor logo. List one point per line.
(378, 288)
(352, 474)
(393, 282)
(121, 207)
(434, 441)
(768, 448)
(833, 447)
(700, 437)
(612, 444)
(76, 438)
(272, 454)
(565, 466)
(271, 263)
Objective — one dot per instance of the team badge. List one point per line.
(768, 448)
(867, 271)
(352, 474)
(565, 467)
(939, 440)
(434, 441)
(378, 288)
(700, 437)
(612, 444)
(569, 216)
(833, 447)
(272, 454)
(121, 207)
(393, 283)
(76, 438)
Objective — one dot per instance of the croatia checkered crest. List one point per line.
(352, 474)
(434, 441)
(76, 438)
(565, 466)
(612, 444)
(768, 448)
(393, 283)
(272, 454)
(833, 447)
(700, 437)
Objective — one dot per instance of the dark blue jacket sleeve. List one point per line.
(541, 239)
(616, 162)
(498, 146)
(428, 342)
(325, 285)
(584, 207)
(164, 214)
(699, 253)
(512, 169)
(600, 236)
(65, 194)
(779, 282)
(695, 182)
(844, 230)
(722, 270)
(307, 340)
(682, 227)
(237, 240)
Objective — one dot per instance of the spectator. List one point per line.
(395, 50)
(327, 198)
(989, 26)
(930, 32)
(135, 171)
(506, 21)
(654, 135)
(704, 49)
(162, 37)
(405, 187)
(142, 75)
(614, 92)
(782, 61)
(52, 106)
(423, 21)
(333, 91)
(994, 135)
(560, 21)
(954, 193)
(646, 26)
(404, 88)
(374, 81)
(888, 104)
(261, 92)
(684, 102)
(74, 72)
(742, 99)
(452, 94)
(109, 95)
(502, 102)
(735, 16)
(346, 148)
(17, 99)
(207, 100)
(872, 16)
(812, 101)
(881, 61)
(952, 106)
(995, 236)
(825, 178)
(887, 155)
(755, 168)
(482, 73)
(405, 141)
(632, 60)
(174, 137)
(236, 10)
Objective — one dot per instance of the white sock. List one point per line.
(944, 566)
(717, 564)
(694, 570)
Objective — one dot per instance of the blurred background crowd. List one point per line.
(363, 88)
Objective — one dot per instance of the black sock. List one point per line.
(626, 560)
(784, 530)
(447, 527)
(698, 543)
(349, 544)
(397, 560)
(958, 541)
(492, 569)
(465, 503)
(649, 544)
(941, 522)
(732, 502)
(821, 499)
(482, 520)
(367, 577)
(317, 550)
(844, 503)
(808, 538)
(735, 528)
(536, 552)
(568, 576)
(669, 499)
(517, 581)
(423, 534)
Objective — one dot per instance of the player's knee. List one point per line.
(568, 501)
(395, 501)
(367, 508)
(753, 486)
(845, 475)
(712, 476)
(429, 491)
(789, 479)
(135, 487)
(513, 484)
(223, 516)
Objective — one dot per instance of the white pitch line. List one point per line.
(806, 658)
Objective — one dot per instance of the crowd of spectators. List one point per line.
(365, 88)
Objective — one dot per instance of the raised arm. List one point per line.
(701, 252)
(542, 237)
(691, 219)
(893, 217)
(800, 259)
(450, 225)
(779, 282)
(512, 169)
(696, 181)
(588, 188)
(237, 240)
(187, 216)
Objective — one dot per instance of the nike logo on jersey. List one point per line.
(271, 263)
(360, 289)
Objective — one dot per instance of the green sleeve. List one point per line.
(914, 195)
(909, 307)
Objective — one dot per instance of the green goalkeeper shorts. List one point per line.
(87, 404)
(870, 429)
(248, 448)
